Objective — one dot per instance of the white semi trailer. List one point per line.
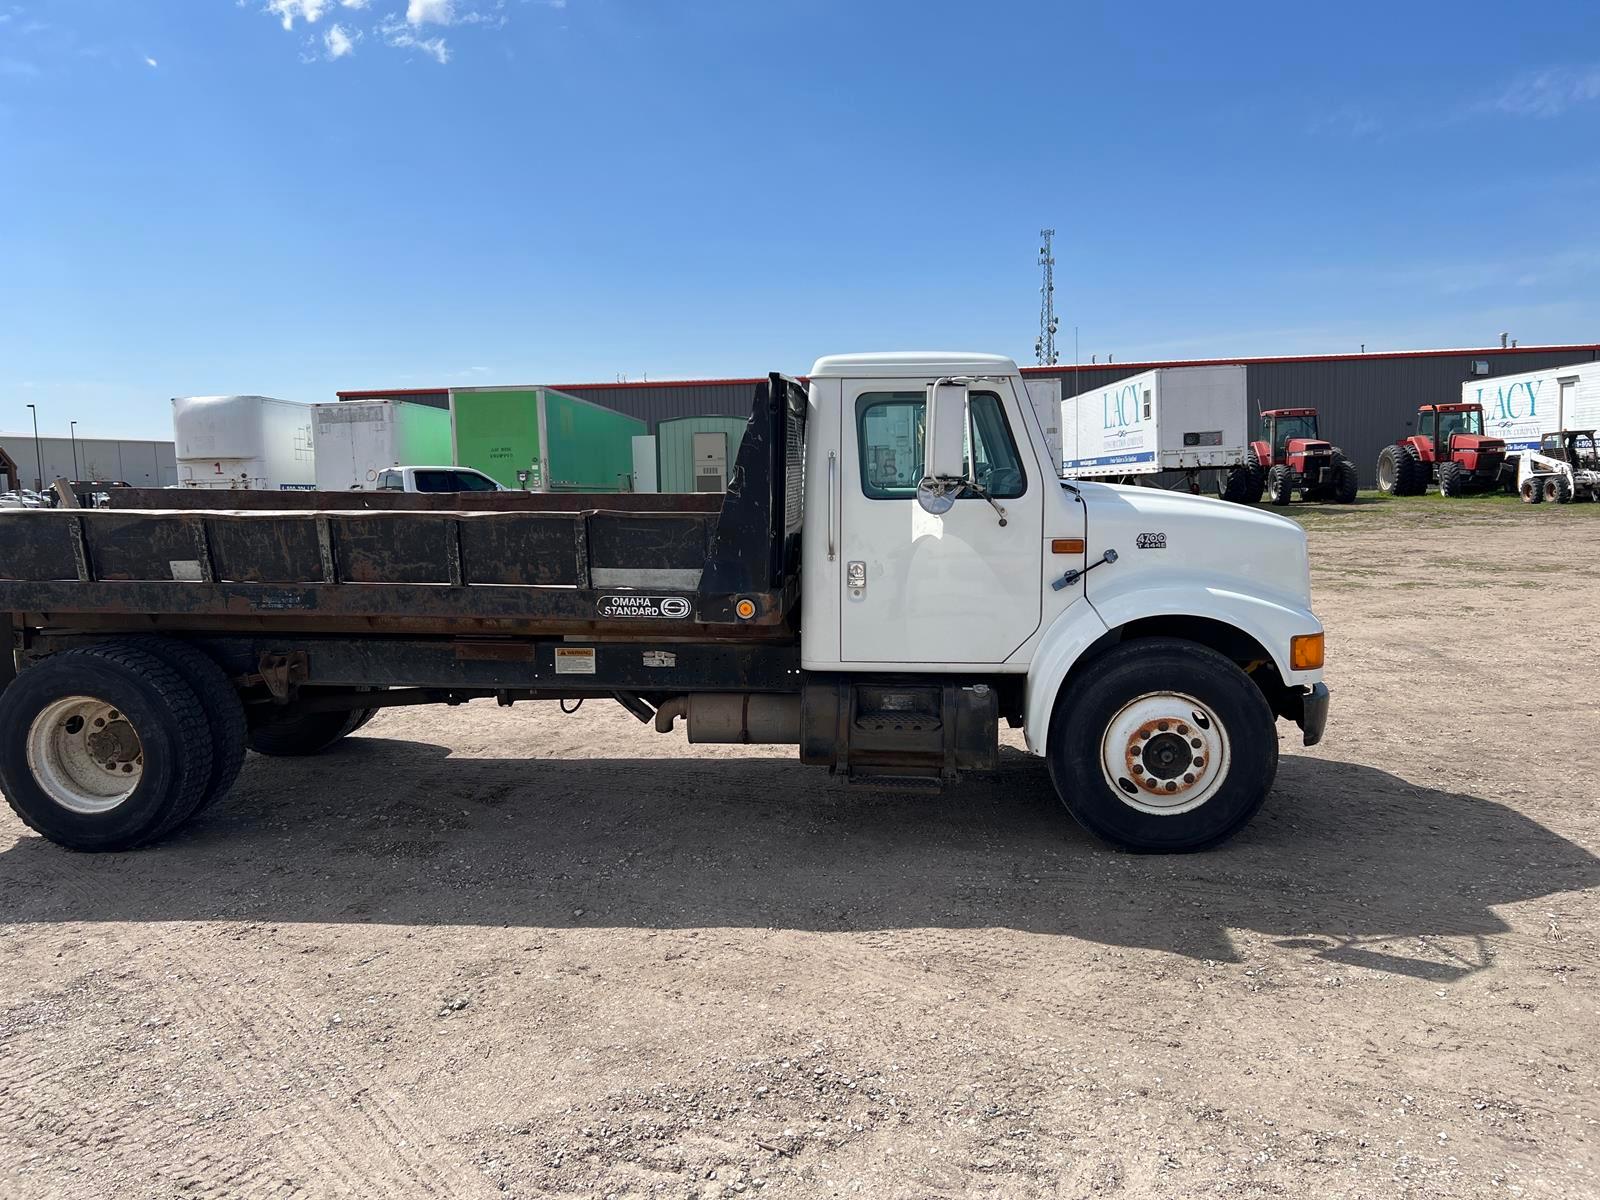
(243, 442)
(1523, 408)
(357, 440)
(1543, 415)
(1188, 419)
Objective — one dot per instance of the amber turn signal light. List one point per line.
(1305, 652)
(746, 609)
(1066, 545)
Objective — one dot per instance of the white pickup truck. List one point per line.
(894, 569)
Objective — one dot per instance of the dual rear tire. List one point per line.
(114, 746)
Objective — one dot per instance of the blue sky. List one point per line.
(296, 196)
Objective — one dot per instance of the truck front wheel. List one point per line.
(103, 748)
(1166, 746)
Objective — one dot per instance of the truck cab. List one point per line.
(894, 571)
(435, 480)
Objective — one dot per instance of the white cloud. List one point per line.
(430, 12)
(339, 41)
(354, 3)
(287, 10)
(150, 62)
(1548, 93)
(396, 34)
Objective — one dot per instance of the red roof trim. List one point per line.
(1148, 365)
(1307, 358)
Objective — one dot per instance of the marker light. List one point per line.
(1305, 652)
(746, 609)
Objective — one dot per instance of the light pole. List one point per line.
(38, 453)
(72, 432)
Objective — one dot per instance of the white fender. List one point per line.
(1271, 622)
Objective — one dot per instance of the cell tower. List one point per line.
(1045, 348)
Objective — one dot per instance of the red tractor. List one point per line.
(1449, 448)
(1295, 459)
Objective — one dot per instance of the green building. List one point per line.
(558, 442)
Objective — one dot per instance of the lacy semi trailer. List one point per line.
(1182, 419)
(894, 570)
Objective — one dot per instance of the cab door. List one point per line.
(917, 588)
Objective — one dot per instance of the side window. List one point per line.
(889, 441)
(471, 481)
(389, 481)
(1425, 425)
(435, 481)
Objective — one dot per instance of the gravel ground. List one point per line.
(484, 952)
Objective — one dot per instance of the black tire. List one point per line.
(1452, 479)
(303, 734)
(1558, 489)
(1191, 677)
(1531, 491)
(1390, 470)
(224, 710)
(1280, 486)
(1238, 485)
(144, 694)
(1258, 474)
(1345, 482)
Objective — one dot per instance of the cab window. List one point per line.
(889, 442)
(390, 481)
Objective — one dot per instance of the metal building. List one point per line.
(1366, 401)
(140, 463)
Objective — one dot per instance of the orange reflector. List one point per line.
(746, 609)
(1066, 545)
(1305, 652)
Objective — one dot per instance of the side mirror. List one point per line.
(944, 449)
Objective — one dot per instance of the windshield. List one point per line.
(1290, 427)
(1470, 421)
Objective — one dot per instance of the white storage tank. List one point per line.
(250, 442)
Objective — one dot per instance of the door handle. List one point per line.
(833, 472)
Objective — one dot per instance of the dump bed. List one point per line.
(522, 565)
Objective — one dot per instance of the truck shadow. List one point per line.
(1345, 860)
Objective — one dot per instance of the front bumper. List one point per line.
(1313, 715)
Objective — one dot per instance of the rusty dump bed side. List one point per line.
(724, 574)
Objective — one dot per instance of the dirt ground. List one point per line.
(485, 952)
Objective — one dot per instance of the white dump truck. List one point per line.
(257, 443)
(1188, 419)
(897, 572)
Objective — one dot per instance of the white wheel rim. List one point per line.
(1164, 753)
(85, 754)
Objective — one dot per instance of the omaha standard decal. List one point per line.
(654, 608)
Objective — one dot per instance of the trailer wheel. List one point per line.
(1451, 479)
(1532, 491)
(103, 748)
(220, 699)
(1279, 486)
(1165, 747)
(1558, 489)
(1345, 482)
(303, 734)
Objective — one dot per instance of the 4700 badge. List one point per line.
(650, 608)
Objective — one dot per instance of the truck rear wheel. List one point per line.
(302, 734)
(223, 708)
(103, 748)
(1166, 746)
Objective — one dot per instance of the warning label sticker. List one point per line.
(657, 608)
(574, 660)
